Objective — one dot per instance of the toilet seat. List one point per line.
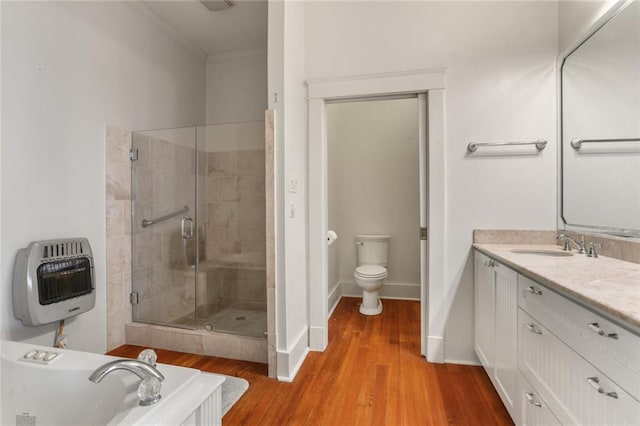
(371, 271)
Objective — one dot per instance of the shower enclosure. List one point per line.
(198, 228)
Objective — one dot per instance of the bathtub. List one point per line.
(59, 393)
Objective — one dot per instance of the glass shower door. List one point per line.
(164, 240)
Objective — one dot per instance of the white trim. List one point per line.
(435, 316)
(318, 222)
(419, 81)
(435, 349)
(334, 297)
(319, 93)
(230, 56)
(289, 362)
(462, 362)
(400, 291)
(317, 335)
(423, 165)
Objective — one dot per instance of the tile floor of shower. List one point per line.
(234, 302)
(241, 318)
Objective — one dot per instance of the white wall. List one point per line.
(500, 86)
(287, 96)
(69, 68)
(373, 182)
(236, 87)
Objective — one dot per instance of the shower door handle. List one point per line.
(187, 228)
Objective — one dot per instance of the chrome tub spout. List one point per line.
(138, 368)
(150, 377)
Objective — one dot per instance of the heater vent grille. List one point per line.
(63, 249)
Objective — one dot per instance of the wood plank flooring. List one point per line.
(371, 374)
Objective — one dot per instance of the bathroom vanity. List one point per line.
(559, 333)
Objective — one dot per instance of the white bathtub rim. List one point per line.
(193, 388)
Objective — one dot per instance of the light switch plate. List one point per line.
(293, 185)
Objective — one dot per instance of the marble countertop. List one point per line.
(610, 285)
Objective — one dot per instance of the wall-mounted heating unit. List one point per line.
(53, 280)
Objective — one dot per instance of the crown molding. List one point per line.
(230, 56)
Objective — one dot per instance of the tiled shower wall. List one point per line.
(235, 200)
(235, 221)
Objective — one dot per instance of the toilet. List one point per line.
(372, 258)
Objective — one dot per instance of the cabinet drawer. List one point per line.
(611, 348)
(534, 411)
(576, 391)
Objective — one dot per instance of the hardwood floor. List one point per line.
(371, 374)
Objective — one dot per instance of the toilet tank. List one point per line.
(373, 249)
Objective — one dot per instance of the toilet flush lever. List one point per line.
(359, 243)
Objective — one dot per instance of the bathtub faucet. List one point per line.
(150, 377)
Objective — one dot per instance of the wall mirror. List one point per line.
(600, 128)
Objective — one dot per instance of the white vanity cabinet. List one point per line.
(484, 317)
(496, 311)
(551, 359)
(585, 366)
(532, 408)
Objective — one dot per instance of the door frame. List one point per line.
(431, 83)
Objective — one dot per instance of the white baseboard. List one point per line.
(318, 339)
(290, 361)
(435, 349)
(462, 362)
(403, 291)
(334, 297)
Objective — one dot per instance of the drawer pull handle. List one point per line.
(596, 327)
(532, 328)
(532, 290)
(595, 383)
(532, 401)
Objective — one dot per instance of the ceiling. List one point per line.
(240, 27)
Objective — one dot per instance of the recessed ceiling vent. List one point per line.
(215, 5)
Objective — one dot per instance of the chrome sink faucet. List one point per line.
(567, 239)
(592, 249)
(150, 377)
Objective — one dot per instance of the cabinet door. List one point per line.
(506, 335)
(484, 327)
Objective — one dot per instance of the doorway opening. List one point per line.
(374, 188)
(426, 88)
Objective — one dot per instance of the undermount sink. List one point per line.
(541, 252)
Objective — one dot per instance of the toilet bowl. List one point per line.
(373, 254)
(370, 278)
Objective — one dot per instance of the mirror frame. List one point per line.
(633, 234)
